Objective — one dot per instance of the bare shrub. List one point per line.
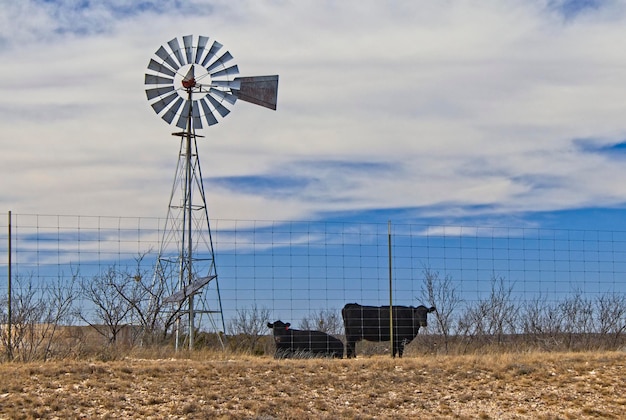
(325, 320)
(541, 323)
(122, 297)
(575, 323)
(610, 315)
(109, 312)
(490, 319)
(577, 320)
(145, 295)
(37, 315)
(443, 295)
(4, 329)
(247, 329)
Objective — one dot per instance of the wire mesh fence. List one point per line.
(295, 271)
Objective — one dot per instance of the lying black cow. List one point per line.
(371, 323)
(290, 342)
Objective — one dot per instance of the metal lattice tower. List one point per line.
(190, 86)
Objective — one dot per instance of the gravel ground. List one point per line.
(505, 386)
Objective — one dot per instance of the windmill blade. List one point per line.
(218, 106)
(224, 96)
(230, 71)
(176, 50)
(160, 68)
(161, 104)
(158, 80)
(225, 58)
(258, 90)
(187, 41)
(171, 112)
(165, 56)
(208, 113)
(214, 49)
(156, 92)
(202, 41)
(230, 84)
(184, 116)
(195, 114)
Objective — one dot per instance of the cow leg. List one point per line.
(400, 348)
(350, 348)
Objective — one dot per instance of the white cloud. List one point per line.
(466, 103)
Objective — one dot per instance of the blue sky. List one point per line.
(460, 112)
(508, 116)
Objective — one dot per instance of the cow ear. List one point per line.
(432, 309)
(287, 325)
(270, 325)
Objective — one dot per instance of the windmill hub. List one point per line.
(189, 83)
(192, 78)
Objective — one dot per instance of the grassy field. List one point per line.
(228, 386)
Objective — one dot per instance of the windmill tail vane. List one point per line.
(258, 90)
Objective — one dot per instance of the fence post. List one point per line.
(390, 290)
(9, 320)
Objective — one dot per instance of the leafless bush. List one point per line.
(145, 295)
(129, 299)
(577, 320)
(492, 318)
(610, 310)
(247, 328)
(541, 323)
(37, 314)
(325, 320)
(443, 295)
(576, 323)
(110, 313)
(4, 328)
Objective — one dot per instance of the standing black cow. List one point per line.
(318, 343)
(371, 323)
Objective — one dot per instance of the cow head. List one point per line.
(279, 328)
(420, 315)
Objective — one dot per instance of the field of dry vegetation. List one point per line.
(217, 385)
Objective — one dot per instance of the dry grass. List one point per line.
(227, 386)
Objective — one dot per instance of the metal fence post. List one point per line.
(9, 320)
(390, 290)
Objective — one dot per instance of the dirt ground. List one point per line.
(497, 386)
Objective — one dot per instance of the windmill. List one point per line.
(191, 86)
